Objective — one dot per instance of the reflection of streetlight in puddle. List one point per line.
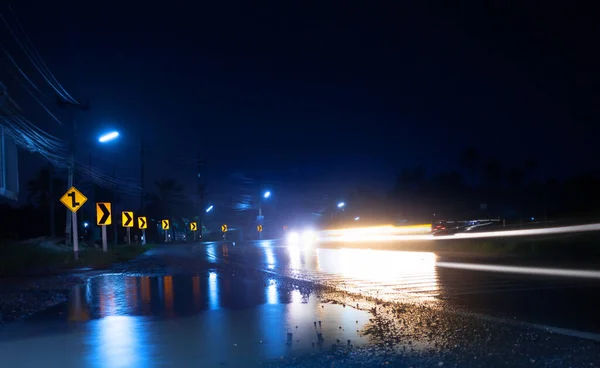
(270, 257)
(272, 296)
(196, 290)
(213, 291)
(78, 309)
(117, 341)
(168, 288)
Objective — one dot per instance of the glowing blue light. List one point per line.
(341, 205)
(267, 194)
(85, 224)
(209, 209)
(108, 137)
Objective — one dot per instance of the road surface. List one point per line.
(500, 287)
(226, 315)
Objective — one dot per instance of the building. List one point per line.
(9, 164)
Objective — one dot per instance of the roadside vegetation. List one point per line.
(41, 257)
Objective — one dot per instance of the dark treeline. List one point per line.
(485, 187)
(481, 187)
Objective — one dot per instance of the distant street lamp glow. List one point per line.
(357, 218)
(341, 205)
(85, 224)
(108, 137)
(209, 209)
(267, 194)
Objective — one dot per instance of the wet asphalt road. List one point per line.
(552, 301)
(224, 316)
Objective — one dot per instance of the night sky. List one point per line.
(330, 94)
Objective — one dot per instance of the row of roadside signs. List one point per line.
(224, 228)
(73, 199)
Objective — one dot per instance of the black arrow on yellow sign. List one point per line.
(142, 223)
(128, 219)
(103, 213)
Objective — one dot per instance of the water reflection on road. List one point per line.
(382, 273)
(202, 320)
(412, 276)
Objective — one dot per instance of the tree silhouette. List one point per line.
(470, 160)
(44, 191)
(40, 191)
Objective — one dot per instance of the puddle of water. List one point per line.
(214, 319)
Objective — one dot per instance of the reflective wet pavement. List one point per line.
(564, 302)
(226, 317)
(204, 320)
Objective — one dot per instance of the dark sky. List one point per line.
(320, 92)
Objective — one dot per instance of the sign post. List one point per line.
(127, 221)
(165, 226)
(73, 199)
(194, 228)
(103, 218)
(142, 225)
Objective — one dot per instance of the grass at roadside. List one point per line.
(26, 259)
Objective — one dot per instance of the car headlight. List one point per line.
(309, 237)
(293, 238)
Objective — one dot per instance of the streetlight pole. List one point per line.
(105, 138)
(201, 193)
(142, 173)
(264, 195)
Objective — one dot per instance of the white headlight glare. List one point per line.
(293, 238)
(308, 237)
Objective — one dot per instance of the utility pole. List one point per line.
(201, 192)
(115, 226)
(71, 165)
(51, 187)
(142, 174)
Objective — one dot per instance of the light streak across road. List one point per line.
(539, 271)
(423, 232)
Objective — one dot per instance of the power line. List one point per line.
(60, 91)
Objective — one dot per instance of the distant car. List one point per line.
(441, 228)
(451, 227)
(306, 237)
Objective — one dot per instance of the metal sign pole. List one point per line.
(75, 235)
(128, 236)
(104, 239)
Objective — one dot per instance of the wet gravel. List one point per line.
(22, 297)
(401, 334)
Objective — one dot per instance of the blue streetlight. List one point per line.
(341, 205)
(209, 209)
(267, 194)
(108, 137)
